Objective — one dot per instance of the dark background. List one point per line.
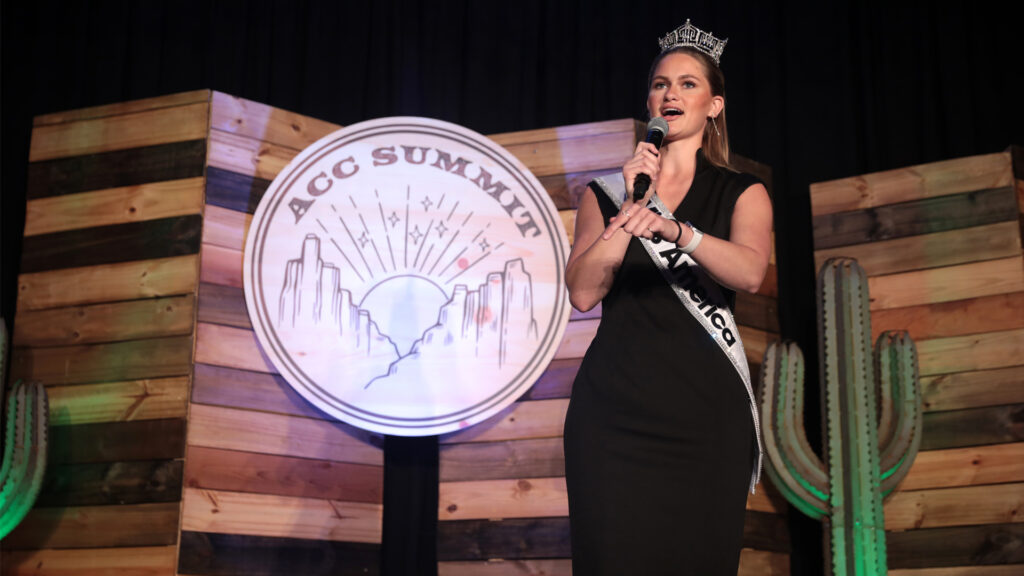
(816, 90)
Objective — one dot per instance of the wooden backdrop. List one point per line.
(941, 244)
(176, 448)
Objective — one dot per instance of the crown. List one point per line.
(692, 37)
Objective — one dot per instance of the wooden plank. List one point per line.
(120, 108)
(507, 498)
(246, 431)
(757, 311)
(1006, 570)
(498, 567)
(535, 458)
(218, 386)
(556, 381)
(143, 202)
(108, 283)
(770, 284)
(973, 427)
(956, 318)
(755, 343)
(991, 242)
(577, 338)
(122, 168)
(144, 128)
(973, 389)
(230, 347)
(223, 305)
(262, 122)
(248, 156)
(221, 266)
(280, 516)
(568, 218)
(912, 183)
(151, 399)
(944, 507)
(233, 191)
(110, 483)
(134, 360)
(96, 527)
(225, 228)
(914, 218)
(605, 151)
(520, 420)
(763, 563)
(136, 561)
(572, 131)
(974, 466)
(566, 190)
(970, 353)
(232, 471)
(118, 441)
(164, 238)
(936, 285)
(206, 554)
(959, 546)
(97, 323)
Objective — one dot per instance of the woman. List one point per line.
(661, 439)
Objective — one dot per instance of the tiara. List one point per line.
(692, 37)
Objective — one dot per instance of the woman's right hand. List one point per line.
(644, 161)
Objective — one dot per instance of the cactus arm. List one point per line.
(790, 468)
(898, 380)
(34, 422)
(14, 448)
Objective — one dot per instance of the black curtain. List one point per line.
(817, 90)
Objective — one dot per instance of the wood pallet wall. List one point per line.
(941, 244)
(502, 508)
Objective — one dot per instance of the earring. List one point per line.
(713, 123)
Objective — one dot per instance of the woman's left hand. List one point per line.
(638, 221)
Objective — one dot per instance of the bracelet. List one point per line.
(694, 242)
(680, 234)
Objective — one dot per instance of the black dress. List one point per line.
(659, 437)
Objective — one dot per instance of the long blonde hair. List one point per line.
(715, 143)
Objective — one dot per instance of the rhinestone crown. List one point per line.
(692, 37)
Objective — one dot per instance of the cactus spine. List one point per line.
(24, 449)
(872, 421)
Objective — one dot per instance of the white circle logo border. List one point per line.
(434, 390)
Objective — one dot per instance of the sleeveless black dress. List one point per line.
(659, 438)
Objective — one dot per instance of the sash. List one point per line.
(700, 295)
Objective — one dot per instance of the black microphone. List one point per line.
(656, 130)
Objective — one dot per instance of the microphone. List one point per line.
(656, 130)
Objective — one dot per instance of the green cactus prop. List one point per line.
(24, 446)
(872, 422)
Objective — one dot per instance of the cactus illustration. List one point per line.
(872, 421)
(24, 446)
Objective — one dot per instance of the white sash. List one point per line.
(700, 295)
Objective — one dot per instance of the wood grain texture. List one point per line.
(974, 466)
(603, 151)
(280, 516)
(959, 317)
(507, 498)
(225, 228)
(944, 507)
(96, 527)
(231, 348)
(991, 242)
(576, 339)
(206, 554)
(248, 156)
(150, 399)
(231, 388)
(111, 483)
(520, 420)
(234, 191)
(223, 305)
(118, 442)
(556, 381)
(752, 563)
(232, 471)
(133, 561)
(959, 546)
(164, 238)
(970, 353)
(133, 130)
(757, 311)
(247, 431)
(262, 122)
(535, 458)
(566, 190)
(99, 323)
(121, 108)
(914, 218)
(113, 362)
(912, 183)
(573, 131)
(1005, 570)
(937, 285)
(221, 266)
(122, 168)
(108, 283)
(973, 427)
(973, 389)
(143, 202)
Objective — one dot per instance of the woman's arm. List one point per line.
(593, 260)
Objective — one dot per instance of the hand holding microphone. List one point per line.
(656, 130)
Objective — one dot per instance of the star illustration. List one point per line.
(484, 245)
(393, 219)
(441, 229)
(363, 239)
(416, 234)
(427, 203)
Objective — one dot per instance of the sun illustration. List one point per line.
(404, 307)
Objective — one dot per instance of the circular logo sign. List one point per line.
(405, 275)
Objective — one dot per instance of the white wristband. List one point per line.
(694, 241)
